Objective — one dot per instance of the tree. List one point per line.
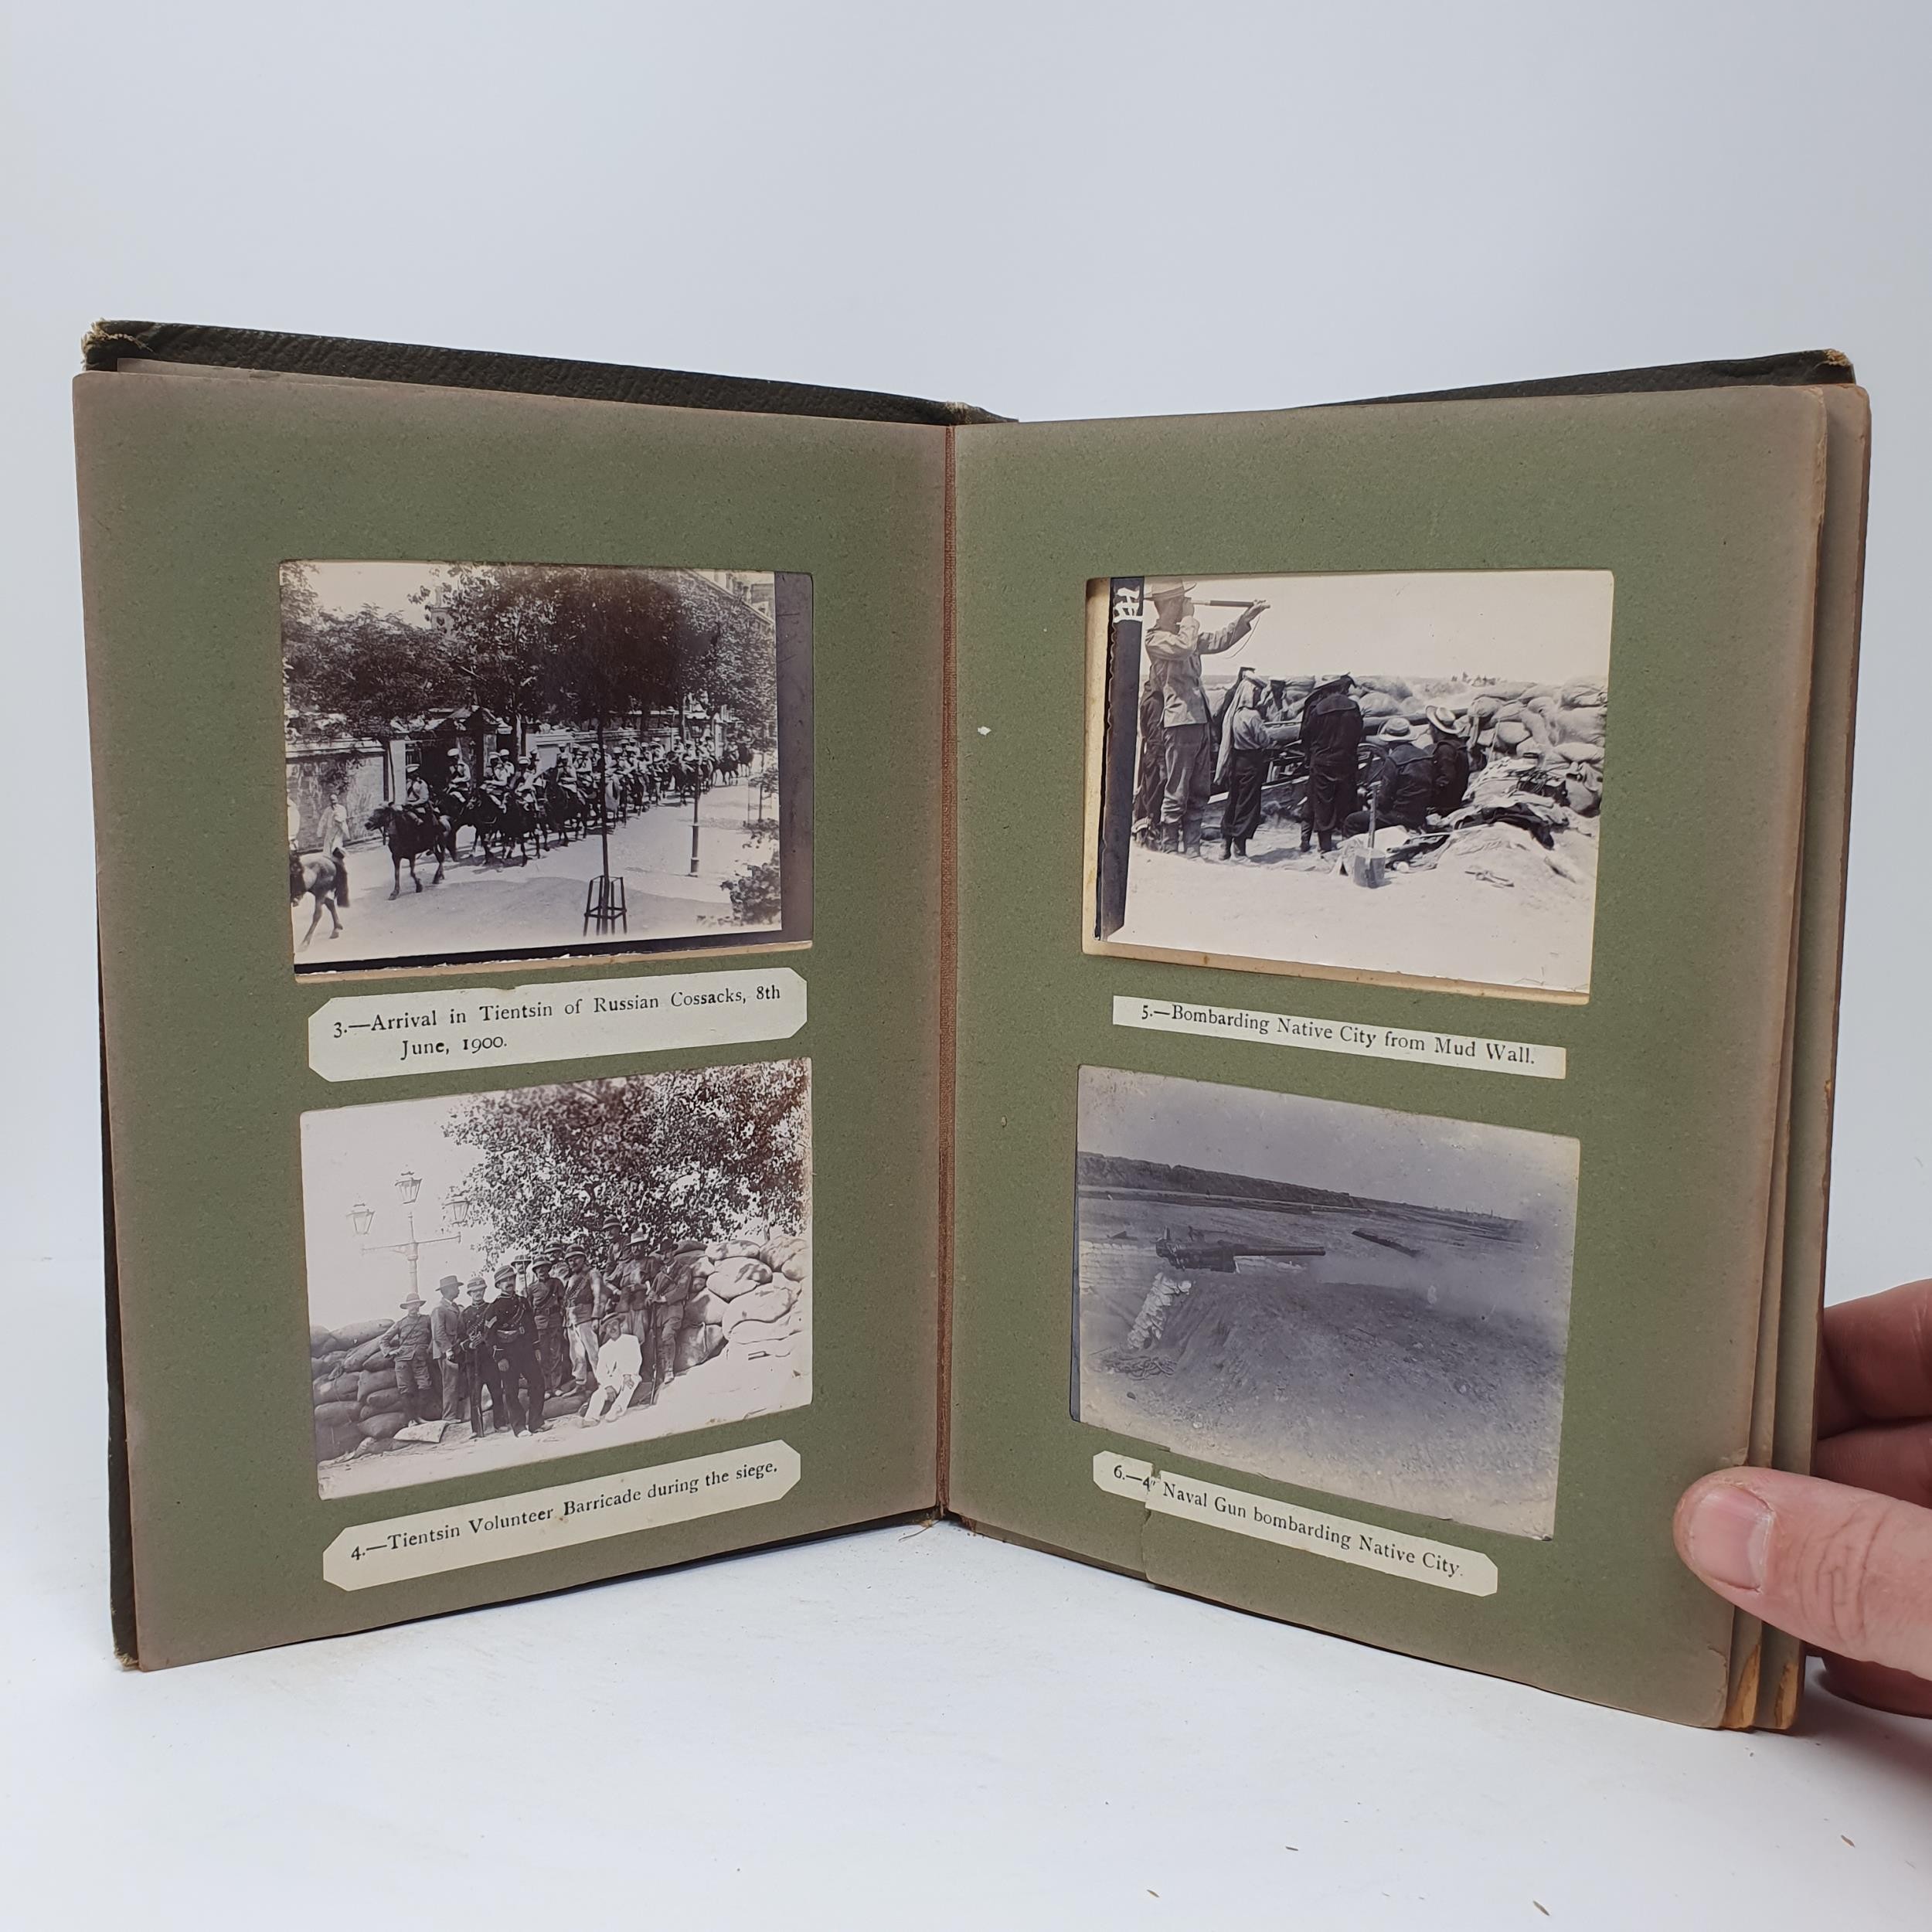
(686, 1156)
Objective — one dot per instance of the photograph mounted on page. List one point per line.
(515, 761)
(1388, 775)
(501, 1278)
(1371, 1303)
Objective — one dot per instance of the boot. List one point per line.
(1240, 849)
(1227, 848)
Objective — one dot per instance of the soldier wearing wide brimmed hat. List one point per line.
(635, 1274)
(446, 1346)
(480, 1369)
(1331, 734)
(580, 1287)
(1403, 779)
(1175, 645)
(1449, 757)
(409, 1347)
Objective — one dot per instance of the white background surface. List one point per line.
(1051, 211)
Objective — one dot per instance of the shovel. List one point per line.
(1369, 868)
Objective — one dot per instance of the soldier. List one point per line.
(635, 1276)
(580, 1310)
(407, 1344)
(546, 1312)
(1331, 730)
(510, 1329)
(481, 1367)
(445, 1346)
(1175, 648)
(677, 1282)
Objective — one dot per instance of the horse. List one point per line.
(325, 880)
(409, 833)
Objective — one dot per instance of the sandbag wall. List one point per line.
(353, 1384)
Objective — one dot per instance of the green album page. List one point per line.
(603, 741)
(1364, 1162)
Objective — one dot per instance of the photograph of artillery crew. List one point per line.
(1369, 1303)
(498, 1278)
(490, 761)
(1383, 773)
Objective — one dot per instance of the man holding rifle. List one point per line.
(1174, 646)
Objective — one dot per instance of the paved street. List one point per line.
(505, 906)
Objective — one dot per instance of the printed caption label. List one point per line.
(1390, 1551)
(374, 1037)
(399, 1547)
(1471, 1052)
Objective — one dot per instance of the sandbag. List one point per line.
(359, 1359)
(1586, 724)
(322, 1340)
(737, 1277)
(771, 1303)
(1378, 704)
(335, 1413)
(380, 1428)
(338, 1389)
(1583, 693)
(359, 1332)
(1511, 733)
(372, 1381)
(1579, 752)
(384, 1402)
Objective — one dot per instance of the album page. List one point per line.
(1379, 835)
(542, 1186)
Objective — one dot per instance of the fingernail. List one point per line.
(1727, 1530)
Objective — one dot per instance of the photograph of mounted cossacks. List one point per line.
(1370, 1304)
(1392, 775)
(498, 760)
(495, 1278)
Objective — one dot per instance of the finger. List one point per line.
(1844, 1570)
(1895, 1458)
(1877, 1359)
(1885, 1690)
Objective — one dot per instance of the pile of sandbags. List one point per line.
(751, 1299)
(353, 1385)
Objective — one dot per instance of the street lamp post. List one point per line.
(362, 1216)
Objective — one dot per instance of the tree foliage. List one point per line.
(686, 1156)
(568, 644)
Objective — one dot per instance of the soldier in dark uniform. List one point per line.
(1403, 780)
(481, 1370)
(409, 1346)
(510, 1329)
(546, 1312)
(1332, 733)
(1450, 763)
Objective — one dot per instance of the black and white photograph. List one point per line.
(521, 760)
(1395, 774)
(498, 1278)
(1371, 1303)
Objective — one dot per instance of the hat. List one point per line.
(412, 1301)
(1446, 717)
(448, 1281)
(476, 1285)
(1331, 683)
(1154, 587)
(639, 1239)
(1396, 727)
(506, 1273)
(575, 1254)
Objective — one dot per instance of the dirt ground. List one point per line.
(1504, 917)
(1432, 1383)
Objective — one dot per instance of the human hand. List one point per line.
(1842, 1559)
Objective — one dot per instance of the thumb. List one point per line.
(1845, 1570)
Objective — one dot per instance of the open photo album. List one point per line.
(1162, 987)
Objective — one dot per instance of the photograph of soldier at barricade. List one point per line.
(1396, 773)
(517, 760)
(498, 1278)
(1370, 1304)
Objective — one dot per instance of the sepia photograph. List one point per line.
(495, 1278)
(504, 761)
(1370, 1304)
(1396, 775)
